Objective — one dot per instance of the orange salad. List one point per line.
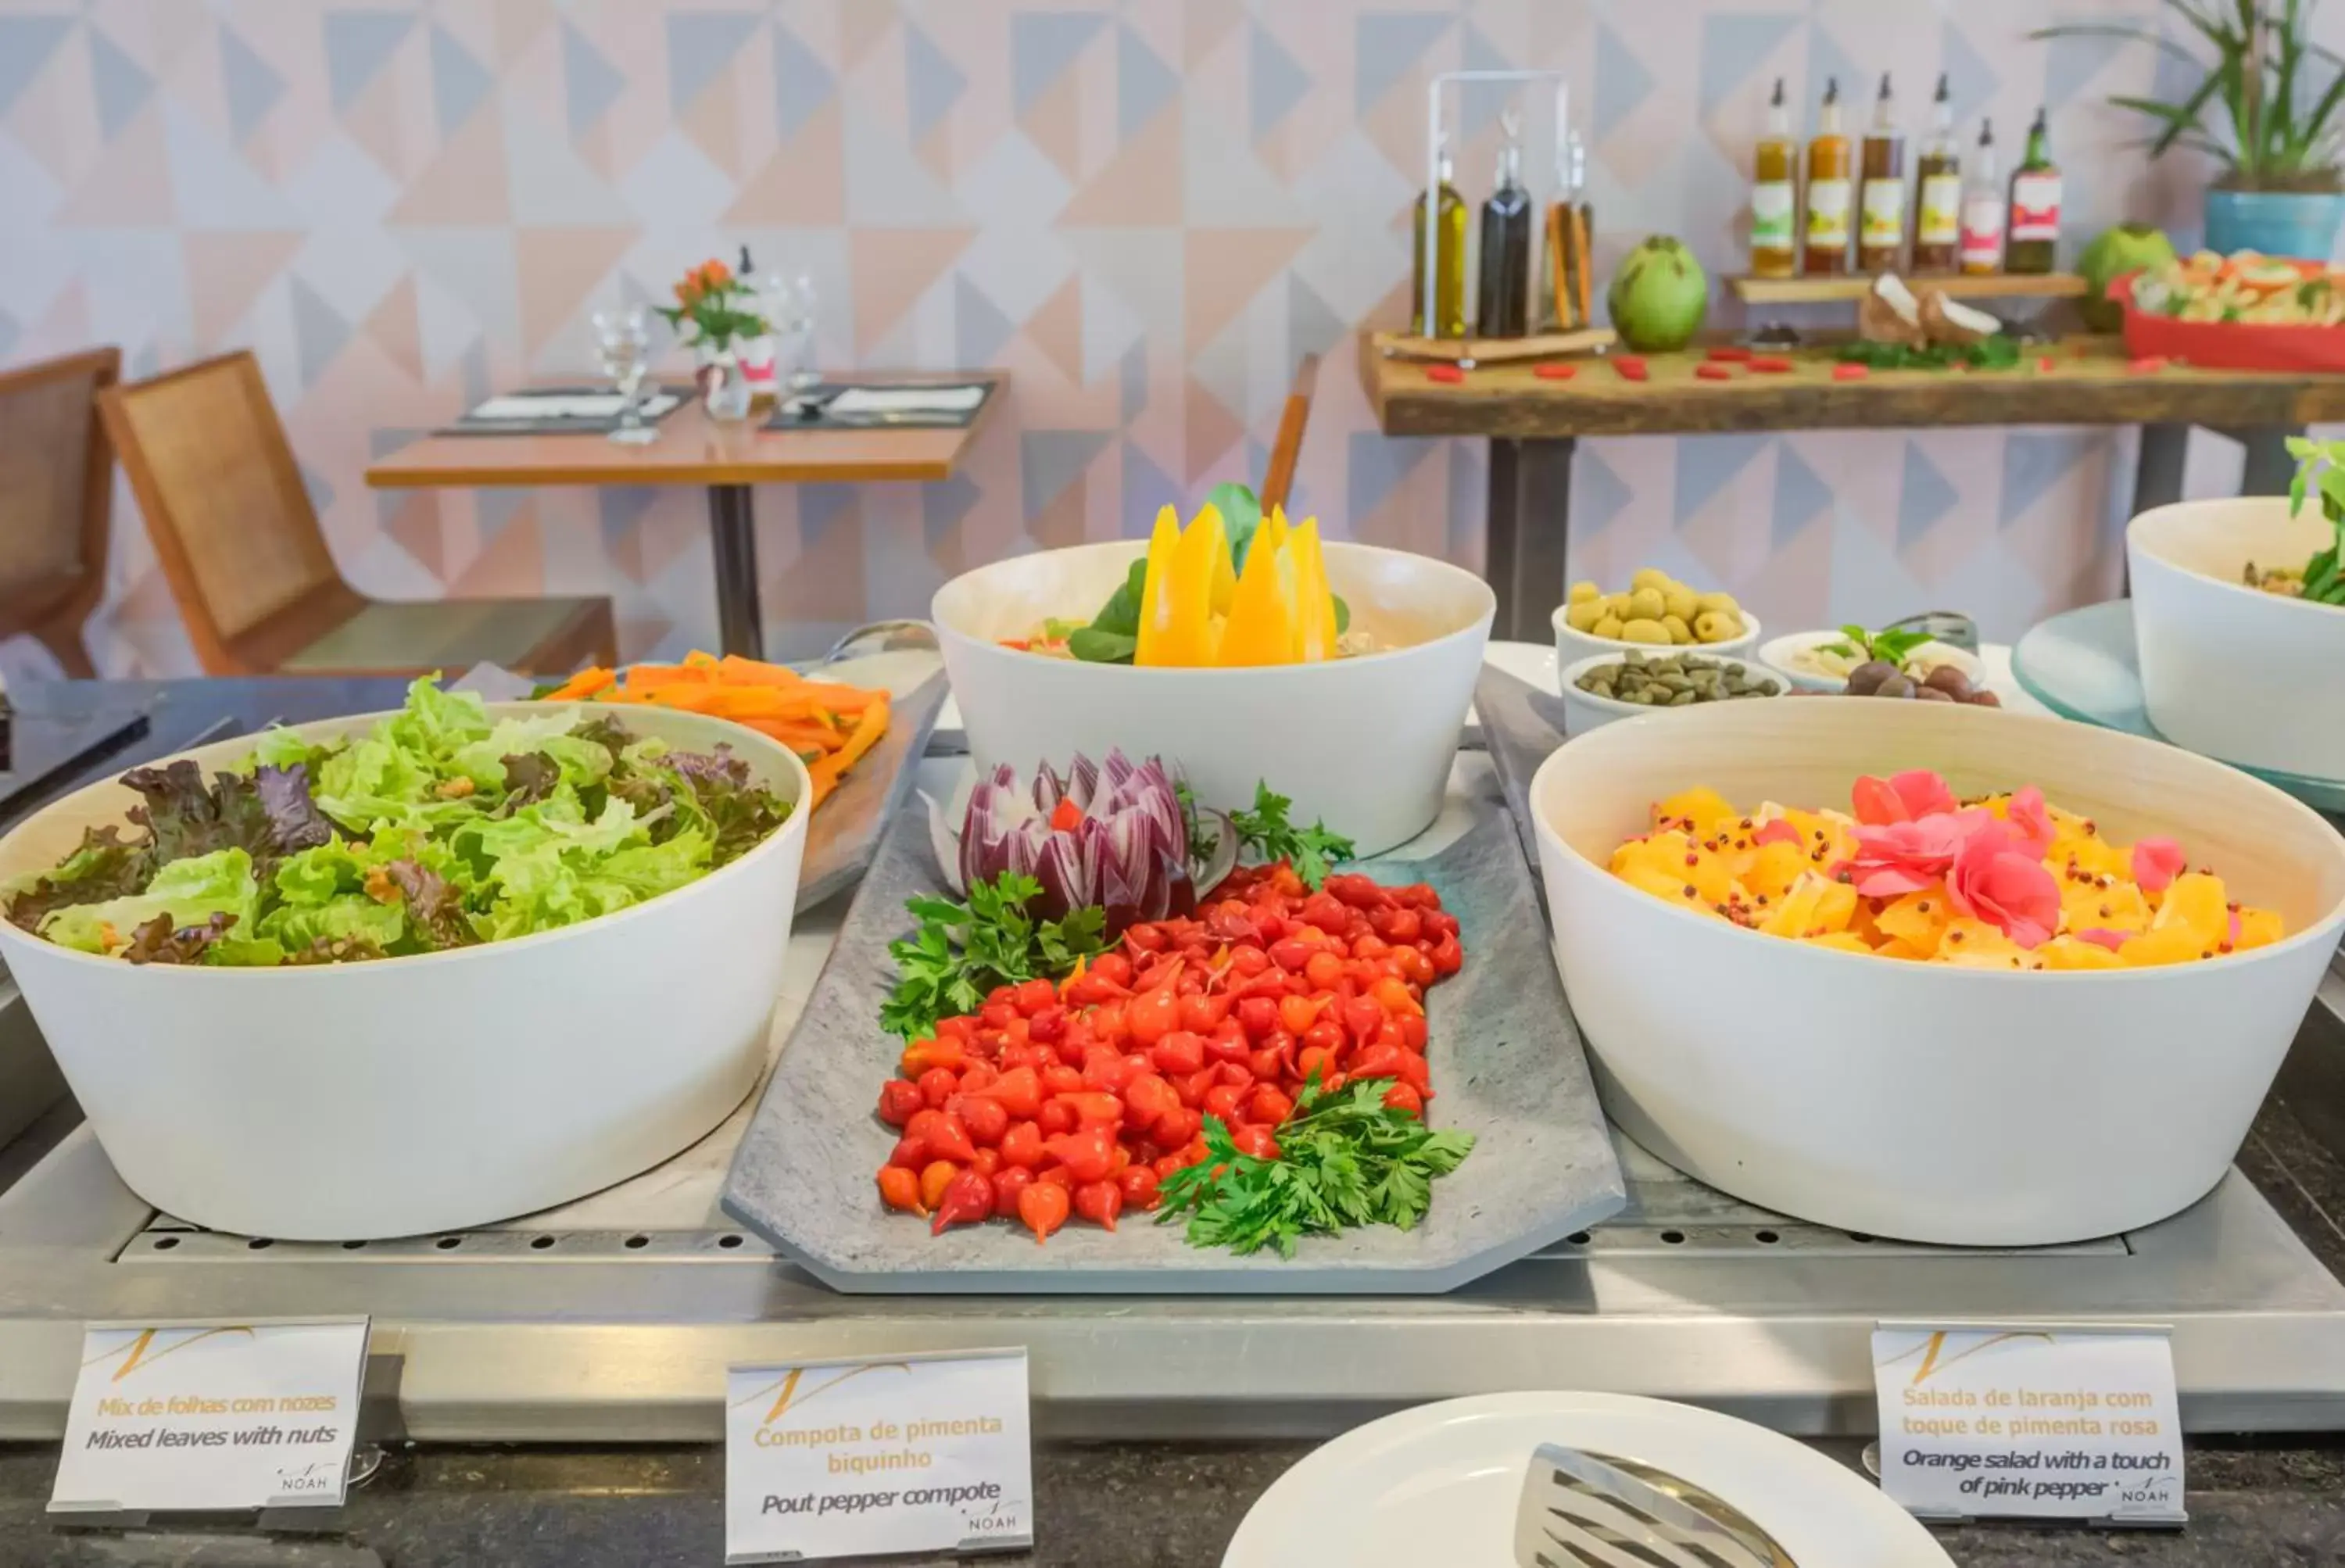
(2001, 881)
(829, 726)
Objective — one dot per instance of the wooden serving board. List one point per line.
(1495, 351)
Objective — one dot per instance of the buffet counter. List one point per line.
(1160, 1506)
(611, 1320)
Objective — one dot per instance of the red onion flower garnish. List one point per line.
(1110, 834)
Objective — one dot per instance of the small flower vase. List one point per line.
(724, 389)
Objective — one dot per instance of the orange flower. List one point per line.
(714, 275)
(687, 293)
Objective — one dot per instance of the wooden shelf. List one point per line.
(1826, 290)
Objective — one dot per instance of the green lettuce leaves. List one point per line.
(439, 828)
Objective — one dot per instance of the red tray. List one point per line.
(2228, 345)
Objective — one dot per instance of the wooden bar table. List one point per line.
(1533, 425)
(727, 459)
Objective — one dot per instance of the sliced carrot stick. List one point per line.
(586, 683)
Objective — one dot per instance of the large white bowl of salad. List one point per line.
(2238, 614)
(1238, 649)
(406, 972)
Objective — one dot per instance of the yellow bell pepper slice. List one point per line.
(1315, 601)
(1176, 602)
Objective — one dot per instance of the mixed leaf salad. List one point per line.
(439, 828)
(2321, 470)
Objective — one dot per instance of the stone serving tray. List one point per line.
(1507, 1065)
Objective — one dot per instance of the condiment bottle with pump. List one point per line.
(1774, 194)
(1982, 240)
(1505, 301)
(1938, 223)
(2035, 205)
(1881, 221)
(1448, 258)
(1826, 242)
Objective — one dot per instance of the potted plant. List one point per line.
(2257, 110)
(717, 315)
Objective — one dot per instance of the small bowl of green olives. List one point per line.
(1606, 686)
(1657, 613)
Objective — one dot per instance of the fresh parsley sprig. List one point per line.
(1203, 841)
(961, 952)
(1344, 1159)
(1310, 851)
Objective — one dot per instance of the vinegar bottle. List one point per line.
(1982, 240)
(1449, 259)
(1827, 239)
(1774, 194)
(2034, 204)
(1938, 226)
(1881, 222)
(1505, 301)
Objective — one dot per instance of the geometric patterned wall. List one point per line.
(1146, 211)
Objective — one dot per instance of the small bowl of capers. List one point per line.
(1598, 690)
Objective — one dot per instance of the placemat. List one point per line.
(653, 412)
(812, 408)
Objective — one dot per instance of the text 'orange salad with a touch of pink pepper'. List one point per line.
(2001, 881)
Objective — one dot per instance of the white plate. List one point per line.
(1437, 1484)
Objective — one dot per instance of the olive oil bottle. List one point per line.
(1774, 194)
(1504, 303)
(1938, 221)
(1825, 246)
(2035, 205)
(1449, 258)
(1880, 219)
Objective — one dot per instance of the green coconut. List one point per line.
(1659, 297)
(2128, 247)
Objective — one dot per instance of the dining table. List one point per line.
(726, 458)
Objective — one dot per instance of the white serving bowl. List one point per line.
(1570, 646)
(1779, 656)
(404, 1095)
(1584, 711)
(1924, 1102)
(2228, 670)
(1364, 744)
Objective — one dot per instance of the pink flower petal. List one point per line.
(1890, 882)
(2032, 820)
(2234, 938)
(2003, 887)
(2156, 863)
(2101, 936)
(1778, 831)
(1923, 792)
(1876, 803)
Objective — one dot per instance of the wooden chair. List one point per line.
(240, 542)
(1280, 477)
(56, 501)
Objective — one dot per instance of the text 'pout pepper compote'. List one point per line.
(2000, 881)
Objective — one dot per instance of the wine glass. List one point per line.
(795, 332)
(622, 338)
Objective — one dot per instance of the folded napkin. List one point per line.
(564, 406)
(860, 402)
